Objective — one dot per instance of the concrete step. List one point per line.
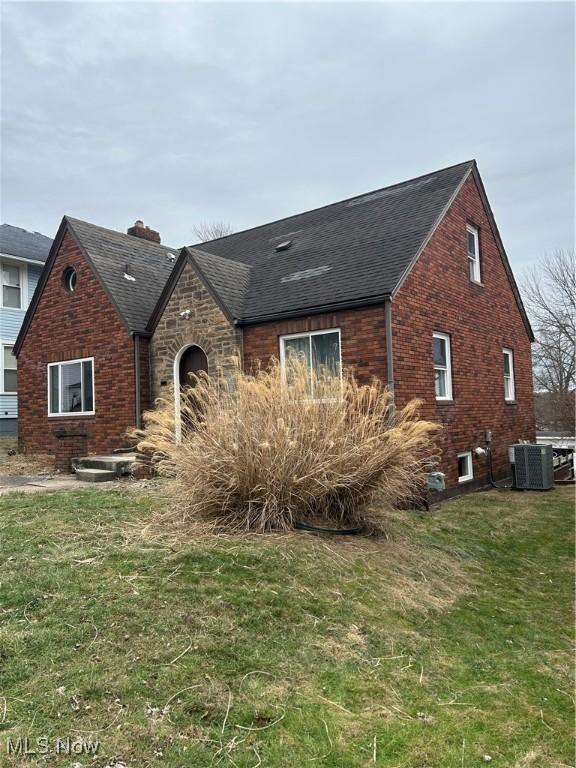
(95, 475)
(120, 464)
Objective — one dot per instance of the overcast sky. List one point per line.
(177, 113)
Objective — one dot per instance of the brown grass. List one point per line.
(534, 758)
(258, 453)
(20, 464)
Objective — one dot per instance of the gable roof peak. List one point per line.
(109, 252)
(465, 164)
(355, 251)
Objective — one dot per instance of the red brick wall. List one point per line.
(363, 339)
(66, 326)
(481, 319)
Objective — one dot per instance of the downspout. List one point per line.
(240, 334)
(389, 350)
(137, 393)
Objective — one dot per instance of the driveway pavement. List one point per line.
(38, 483)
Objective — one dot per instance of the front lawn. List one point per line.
(444, 644)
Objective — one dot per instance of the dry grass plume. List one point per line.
(257, 453)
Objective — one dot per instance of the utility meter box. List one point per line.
(436, 481)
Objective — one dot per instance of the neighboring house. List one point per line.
(22, 257)
(410, 284)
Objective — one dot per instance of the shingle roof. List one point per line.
(15, 241)
(351, 251)
(230, 279)
(114, 254)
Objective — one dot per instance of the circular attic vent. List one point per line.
(69, 279)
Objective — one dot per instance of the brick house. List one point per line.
(83, 349)
(409, 283)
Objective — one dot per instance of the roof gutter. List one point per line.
(26, 259)
(316, 310)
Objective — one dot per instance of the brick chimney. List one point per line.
(139, 230)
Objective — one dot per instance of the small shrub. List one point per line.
(257, 454)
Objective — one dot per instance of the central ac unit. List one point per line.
(532, 467)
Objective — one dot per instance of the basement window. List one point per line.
(320, 350)
(465, 468)
(71, 388)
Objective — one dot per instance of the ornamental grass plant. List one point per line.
(261, 451)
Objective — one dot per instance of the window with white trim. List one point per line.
(442, 366)
(8, 384)
(465, 467)
(71, 387)
(509, 387)
(473, 253)
(319, 349)
(11, 280)
(69, 279)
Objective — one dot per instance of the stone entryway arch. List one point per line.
(190, 360)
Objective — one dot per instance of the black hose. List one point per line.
(493, 483)
(332, 531)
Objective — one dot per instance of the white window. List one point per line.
(71, 388)
(11, 279)
(8, 382)
(473, 253)
(465, 468)
(442, 367)
(319, 349)
(509, 388)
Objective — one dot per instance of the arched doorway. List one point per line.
(190, 361)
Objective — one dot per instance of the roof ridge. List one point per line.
(72, 219)
(208, 254)
(26, 231)
(242, 272)
(471, 162)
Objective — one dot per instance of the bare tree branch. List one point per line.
(550, 293)
(550, 296)
(212, 230)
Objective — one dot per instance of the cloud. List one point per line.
(178, 113)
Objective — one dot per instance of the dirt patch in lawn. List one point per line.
(20, 464)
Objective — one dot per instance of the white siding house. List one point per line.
(22, 257)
